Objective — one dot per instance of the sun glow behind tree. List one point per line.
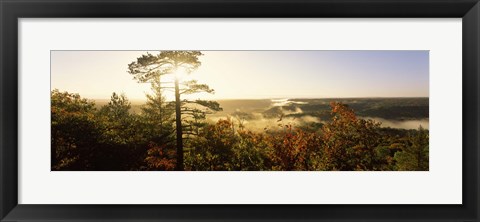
(177, 65)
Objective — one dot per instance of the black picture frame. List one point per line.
(12, 10)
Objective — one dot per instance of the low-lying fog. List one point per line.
(255, 120)
(404, 124)
(260, 123)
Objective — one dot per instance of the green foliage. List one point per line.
(150, 67)
(117, 108)
(192, 87)
(211, 150)
(113, 138)
(250, 152)
(220, 147)
(157, 117)
(86, 139)
(118, 124)
(74, 131)
(211, 105)
(414, 154)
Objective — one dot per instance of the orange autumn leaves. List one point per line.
(344, 143)
(113, 138)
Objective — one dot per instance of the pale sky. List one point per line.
(255, 74)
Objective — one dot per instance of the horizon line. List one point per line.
(290, 98)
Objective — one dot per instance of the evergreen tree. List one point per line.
(414, 155)
(154, 68)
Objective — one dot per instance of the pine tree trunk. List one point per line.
(178, 120)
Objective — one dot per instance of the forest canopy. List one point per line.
(114, 138)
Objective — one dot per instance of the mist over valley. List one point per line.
(262, 114)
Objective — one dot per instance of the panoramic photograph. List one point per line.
(310, 110)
